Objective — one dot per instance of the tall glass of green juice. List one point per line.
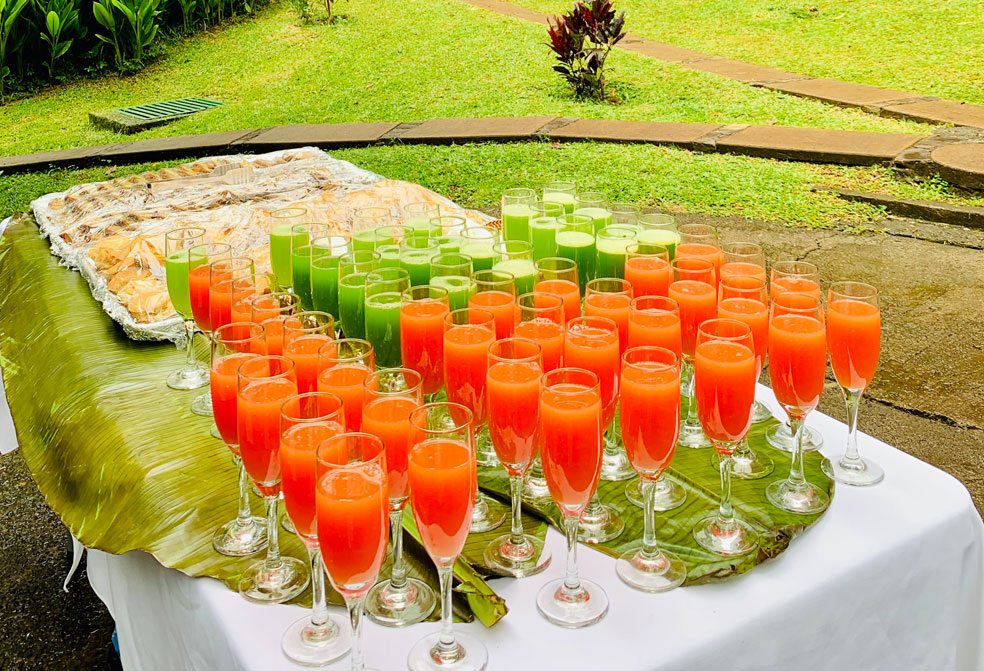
(576, 241)
(516, 204)
(659, 229)
(417, 216)
(351, 304)
(183, 251)
(415, 257)
(595, 205)
(365, 221)
(543, 235)
(562, 193)
(325, 255)
(453, 272)
(516, 257)
(384, 296)
(281, 223)
(476, 242)
(300, 259)
(610, 243)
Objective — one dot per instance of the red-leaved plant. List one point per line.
(582, 38)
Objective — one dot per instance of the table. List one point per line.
(891, 578)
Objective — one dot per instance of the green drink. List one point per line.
(364, 240)
(600, 215)
(460, 289)
(481, 254)
(351, 304)
(420, 226)
(565, 200)
(611, 243)
(543, 235)
(447, 244)
(659, 236)
(300, 270)
(280, 239)
(382, 326)
(417, 263)
(324, 284)
(523, 272)
(516, 222)
(580, 248)
(389, 256)
(177, 265)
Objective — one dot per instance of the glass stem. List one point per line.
(726, 511)
(692, 419)
(245, 516)
(273, 543)
(355, 617)
(398, 578)
(319, 606)
(853, 398)
(649, 549)
(190, 343)
(447, 649)
(572, 583)
(516, 536)
(796, 478)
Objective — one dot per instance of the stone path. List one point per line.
(874, 99)
(956, 153)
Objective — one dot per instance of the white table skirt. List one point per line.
(890, 578)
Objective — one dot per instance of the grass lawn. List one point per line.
(933, 47)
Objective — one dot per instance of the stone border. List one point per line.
(917, 152)
(874, 99)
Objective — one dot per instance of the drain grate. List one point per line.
(139, 117)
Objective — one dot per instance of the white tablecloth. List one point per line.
(890, 578)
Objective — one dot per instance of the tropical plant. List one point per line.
(61, 28)
(102, 10)
(581, 39)
(188, 8)
(303, 9)
(10, 11)
(141, 15)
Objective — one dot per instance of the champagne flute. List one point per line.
(302, 237)
(384, 296)
(422, 334)
(562, 193)
(307, 421)
(854, 342)
(558, 275)
(495, 292)
(576, 241)
(476, 243)
(353, 268)
(199, 279)
(516, 213)
(468, 334)
(326, 252)
(230, 281)
(570, 446)
(264, 384)
(365, 221)
(591, 343)
(650, 411)
(270, 311)
(659, 229)
(442, 474)
(611, 244)
(513, 384)
(797, 365)
(801, 277)
(516, 258)
(343, 366)
(178, 263)
(593, 204)
(232, 345)
(453, 272)
(724, 375)
(694, 291)
(351, 509)
(648, 270)
(541, 319)
(391, 394)
(745, 299)
(282, 224)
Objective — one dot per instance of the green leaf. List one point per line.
(104, 16)
(66, 45)
(53, 23)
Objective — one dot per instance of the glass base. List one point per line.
(189, 377)
(860, 473)
(735, 540)
(484, 451)
(669, 494)
(282, 584)
(805, 500)
(600, 526)
(518, 561)
(287, 524)
(692, 437)
(472, 655)
(535, 491)
(309, 647)
(233, 540)
(398, 609)
(487, 514)
(579, 609)
(615, 465)
(761, 413)
(746, 465)
(659, 574)
(214, 431)
(781, 438)
(202, 405)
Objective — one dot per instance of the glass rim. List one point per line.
(721, 321)
(546, 381)
(570, 263)
(574, 220)
(692, 228)
(178, 233)
(779, 298)
(609, 231)
(308, 227)
(422, 411)
(415, 242)
(625, 208)
(412, 389)
(251, 325)
(803, 269)
(276, 295)
(657, 220)
(592, 321)
(633, 251)
(372, 212)
(837, 291)
(297, 398)
(592, 197)
(462, 259)
(350, 256)
(560, 186)
(350, 277)
(734, 248)
(379, 457)
(286, 362)
(355, 358)
(518, 192)
(442, 219)
(282, 212)
(486, 233)
(545, 206)
(536, 357)
(408, 296)
(672, 308)
(214, 249)
(505, 277)
(318, 328)
(398, 275)
(501, 247)
(593, 285)
(488, 319)
(674, 363)
(707, 263)
(533, 295)
(420, 204)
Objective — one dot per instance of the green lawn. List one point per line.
(933, 47)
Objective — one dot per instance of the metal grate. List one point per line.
(169, 108)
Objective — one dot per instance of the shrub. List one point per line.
(10, 11)
(582, 38)
(61, 28)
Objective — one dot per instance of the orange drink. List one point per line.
(566, 290)
(744, 298)
(270, 310)
(389, 419)
(605, 297)
(854, 341)
(264, 384)
(513, 387)
(441, 478)
(343, 367)
(591, 343)
(541, 319)
(655, 321)
(648, 270)
(649, 402)
(695, 293)
(304, 334)
(422, 333)
(502, 305)
(467, 336)
(797, 355)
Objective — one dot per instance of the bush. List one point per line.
(582, 39)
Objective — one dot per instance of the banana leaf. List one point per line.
(117, 455)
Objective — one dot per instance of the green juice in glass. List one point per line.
(481, 254)
(659, 236)
(300, 270)
(580, 248)
(364, 240)
(176, 268)
(460, 289)
(419, 225)
(417, 263)
(601, 216)
(382, 323)
(565, 200)
(522, 270)
(447, 244)
(280, 253)
(516, 222)
(611, 257)
(324, 284)
(389, 256)
(351, 304)
(543, 235)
